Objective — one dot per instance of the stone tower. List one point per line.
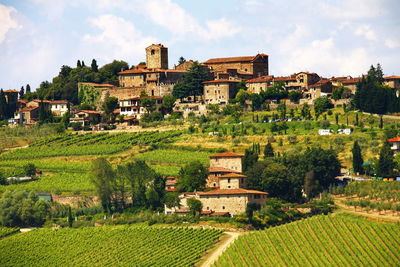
(157, 57)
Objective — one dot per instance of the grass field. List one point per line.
(107, 246)
(5, 231)
(177, 157)
(323, 240)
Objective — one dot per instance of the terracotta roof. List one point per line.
(205, 212)
(352, 80)
(25, 109)
(11, 91)
(392, 78)
(222, 81)
(396, 139)
(59, 102)
(284, 79)
(143, 70)
(227, 155)
(38, 101)
(232, 59)
(319, 83)
(233, 175)
(23, 101)
(220, 169)
(238, 191)
(338, 78)
(100, 84)
(308, 73)
(90, 111)
(140, 97)
(260, 79)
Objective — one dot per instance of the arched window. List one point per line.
(153, 51)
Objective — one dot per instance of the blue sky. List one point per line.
(331, 37)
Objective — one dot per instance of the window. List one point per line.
(223, 207)
(152, 92)
(229, 180)
(153, 51)
(256, 196)
(241, 180)
(214, 184)
(229, 186)
(208, 208)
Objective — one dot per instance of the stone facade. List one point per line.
(351, 84)
(393, 82)
(219, 91)
(157, 56)
(227, 160)
(232, 181)
(254, 66)
(321, 88)
(132, 107)
(257, 85)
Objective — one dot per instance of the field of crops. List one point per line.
(107, 246)
(5, 231)
(177, 157)
(318, 241)
(138, 138)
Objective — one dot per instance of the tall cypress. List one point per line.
(28, 88)
(21, 93)
(3, 106)
(386, 163)
(268, 150)
(357, 158)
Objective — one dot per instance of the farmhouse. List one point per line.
(219, 91)
(86, 117)
(395, 142)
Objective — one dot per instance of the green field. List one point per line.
(177, 157)
(107, 246)
(323, 240)
(5, 231)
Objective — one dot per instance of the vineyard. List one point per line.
(318, 241)
(107, 246)
(5, 231)
(177, 157)
(372, 195)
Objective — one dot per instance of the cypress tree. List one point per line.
(3, 106)
(268, 150)
(28, 88)
(21, 93)
(70, 218)
(78, 64)
(94, 66)
(357, 158)
(380, 122)
(386, 163)
(83, 64)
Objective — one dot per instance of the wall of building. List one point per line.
(132, 80)
(216, 93)
(229, 163)
(157, 57)
(257, 87)
(232, 183)
(234, 204)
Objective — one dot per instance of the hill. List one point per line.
(340, 240)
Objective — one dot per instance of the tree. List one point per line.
(305, 111)
(108, 106)
(249, 159)
(192, 177)
(70, 219)
(386, 163)
(168, 104)
(94, 65)
(181, 60)
(337, 118)
(322, 104)
(102, 176)
(180, 90)
(3, 106)
(194, 205)
(282, 110)
(309, 187)
(294, 96)
(28, 88)
(242, 96)
(78, 64)
(250, 208)
(148, 103)
(172, 199)
(65, 119)
(276, 92)
(21, 93)
(357, 158)
(29, 169)
(268, 150)
(3, 180)
(276, 180)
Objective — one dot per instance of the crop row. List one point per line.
(56, 151)
(107, 246)
(374, 190)
(318, 241)
(174, 156)
(5, 231)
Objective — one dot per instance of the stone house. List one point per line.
(321, 88)
(351, 84)
(257, 85)
(27, 115)
(86, 117)
(219, 91)
(157, 56)
(395, 142)
(214, 173)
(393, 82)
(228, 160)
(255, 66)
(59, 107)
(132, 106)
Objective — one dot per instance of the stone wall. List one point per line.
(232, 183)
(229, 163)
(157, 57)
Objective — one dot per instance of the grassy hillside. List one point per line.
(318, 241)
(107, 246)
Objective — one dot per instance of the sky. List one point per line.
(330, 37)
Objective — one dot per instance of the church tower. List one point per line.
(157, 57)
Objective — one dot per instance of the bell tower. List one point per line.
(157, 56)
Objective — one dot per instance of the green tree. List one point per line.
(268, 150)
(305, 111)
(242, 96)
(172, 199)
(21, 93)
(192, 177)
(195, 205)
(70, 219)
(276, 180)
(65, 119)
(168, 104)
(249, 159)
(322, 104)
(282, 110)
(250, 209)
(29, 169)
(386, 163)
(94, 65)
(108, 106)
(3, 106)
(28, 88)
(276, 92)
(309, 185)
(78, 64)
(294, 96)
(102, 176)
(357, 158)
(148, 103)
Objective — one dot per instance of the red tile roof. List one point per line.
(351, 81)
(227, 155)
(145, 70)
(220, 213)
(261, 79)
(232, 59)
(59, 102)
(238, 191)
(220, 169)
(11, 91)
(222, 81)
(396, 139)
(100, 84)
(284, 79)
(319, 83)
(90, 111)
(233, 175)
(25, 109)
(392, 78)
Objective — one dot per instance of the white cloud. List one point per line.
(118, 38)
(366, 32)
(7, 23)
(353, 9)
(392, 43)
(220, 28)
(52, 9)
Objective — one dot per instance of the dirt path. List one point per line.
(213, 256)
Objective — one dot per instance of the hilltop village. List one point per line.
(154, 80)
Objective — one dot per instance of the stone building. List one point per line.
(257, 85)
(251, 66)
(321, 88)
(351, 84)
(214, 173)
(59, 107)
(157, 56)
(228, 160)
(133, 110)
(219, 91)
(393, 82)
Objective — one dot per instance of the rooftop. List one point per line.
(260, 79)
(227, 155)
(11, 91)
(233, 175)
(220, 169)
(221, 81)
(238, 191)
(233, 59)
(393, 77)
(395, 139)
(352, 80)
